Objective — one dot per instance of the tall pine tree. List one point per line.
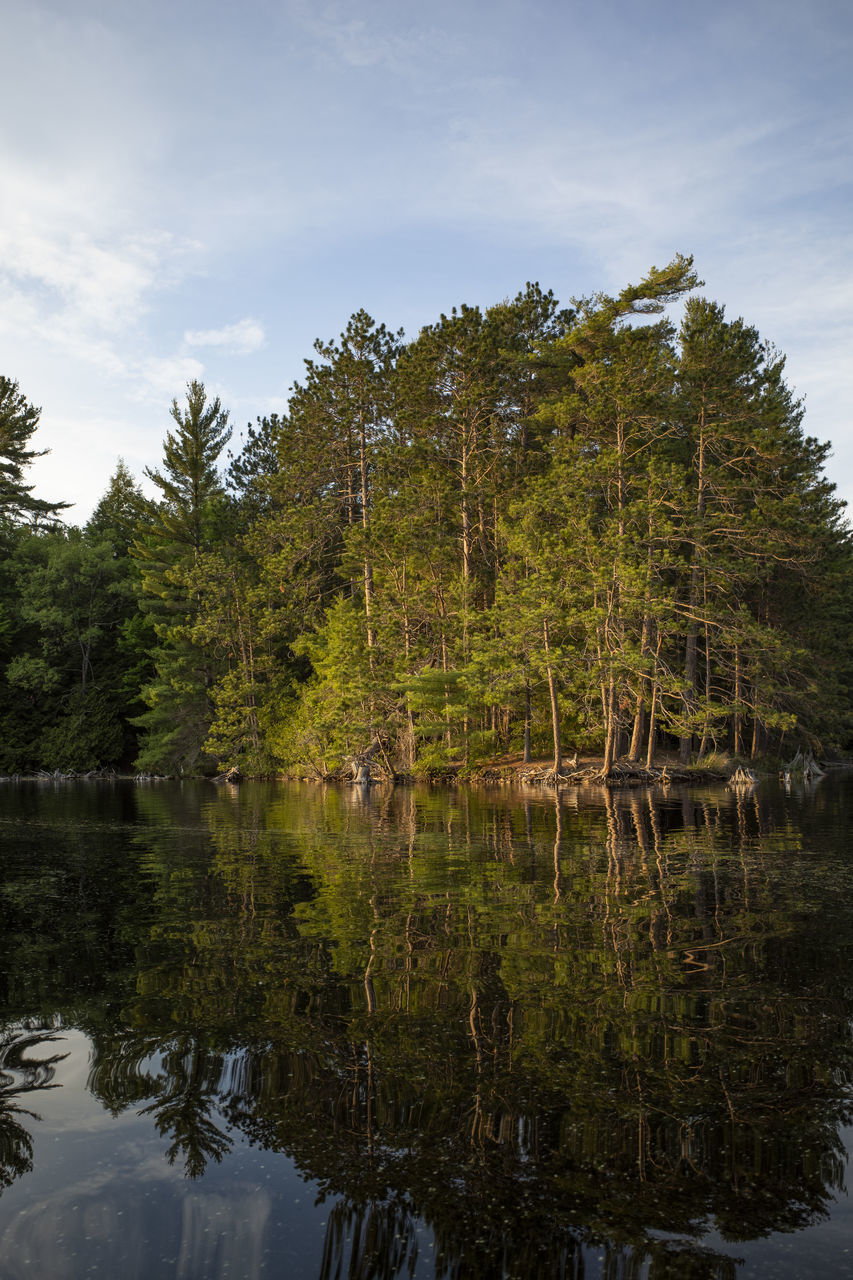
(185, 524)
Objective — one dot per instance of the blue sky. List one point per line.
(202, 189)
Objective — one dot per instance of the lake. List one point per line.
(283, 1030)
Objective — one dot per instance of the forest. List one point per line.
(529, 531)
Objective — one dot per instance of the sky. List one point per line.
(196, 189)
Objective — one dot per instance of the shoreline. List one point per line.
(585, 771)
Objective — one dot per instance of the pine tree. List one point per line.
(18, 422)
(616, 416)
(121, 511)
(189, 480)
(759, 512)
(186, 523)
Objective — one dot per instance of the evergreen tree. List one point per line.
(319, 534)
(753, 529)
(121, 512)
(18, 422)
(120, 517)
(528, 528)
(188, 480)
(185, 524)
(250, 470)
(617, 416)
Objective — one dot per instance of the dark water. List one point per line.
(281, 1031)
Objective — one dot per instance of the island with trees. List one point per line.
(527, 532)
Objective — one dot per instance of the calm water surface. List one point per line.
(284, 1031)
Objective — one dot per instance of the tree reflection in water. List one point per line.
(182, 1112)
(20, 1076)
(502, 1031)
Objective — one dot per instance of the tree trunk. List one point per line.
(555, 708)
(611, 729)
(706, 727)
(638, 730)
(653, 724)
(653, 728)
(685, 744)
(757, 737)
(365, 524)
(447, 735)
(738, 715)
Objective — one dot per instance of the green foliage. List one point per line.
(18, 423)
(527, 528)
(189, 519)
(439, 703)
(89, 734)
(336, 713)
(122, 511)
(188, 480)
(68, 684)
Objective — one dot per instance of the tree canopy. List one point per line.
(529, 530)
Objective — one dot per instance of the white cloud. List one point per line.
(73, 284)
(239, 339)
(372, 41)
(138, 201)
(164, 376)
(95, 281)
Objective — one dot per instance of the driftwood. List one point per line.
(70, 775)
(621, 774)
(360, 768)
(231, 775)
(743, 777)
(58, 775)
(802, 766)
